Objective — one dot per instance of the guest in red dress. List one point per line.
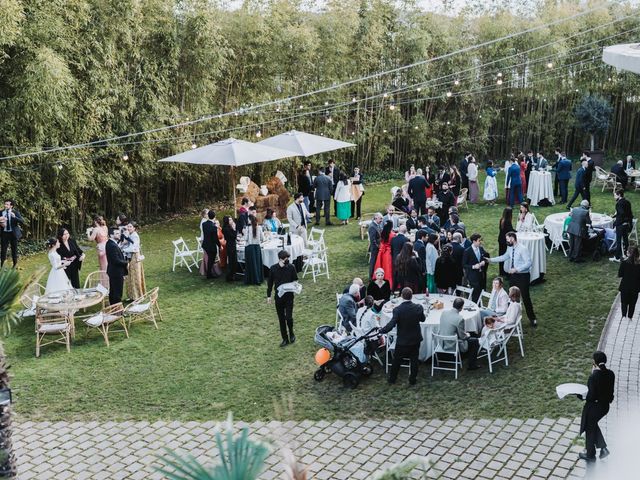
(384, 260)
(523, 169)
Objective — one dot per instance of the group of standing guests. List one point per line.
(219, 242)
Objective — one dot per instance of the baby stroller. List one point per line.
(595, 245)
(349, 356)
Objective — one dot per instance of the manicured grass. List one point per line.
(217, 349)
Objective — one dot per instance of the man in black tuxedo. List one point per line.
(398, 242)
(210, 242)
(420, 248)
(305, 183)
(407, 316)
(475, 267)
(588, 175)
(418, 192)
(464, 170)
(10, 222)
(334, 172)
(116, 266)
(457, 254)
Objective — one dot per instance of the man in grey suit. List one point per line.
(375, 228)
(297, 216)
(452, 323)
(577, 230)
(323, 186)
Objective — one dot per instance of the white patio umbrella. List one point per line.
(304, 144)
(231, 152)
(624, 56)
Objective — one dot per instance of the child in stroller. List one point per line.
(349, 355)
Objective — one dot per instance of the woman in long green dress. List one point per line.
(343, 199)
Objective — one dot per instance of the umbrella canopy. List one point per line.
(231, 152)
(304, 144)
(624, 57)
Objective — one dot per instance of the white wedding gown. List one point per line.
(57, 280)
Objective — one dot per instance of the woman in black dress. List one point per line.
(506, 226)
(231, 237)
(446, 275)
(70, 251)
(379, 289)
(407, 270)
(629, 272)
(600, 395)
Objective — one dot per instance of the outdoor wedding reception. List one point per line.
(354, 240)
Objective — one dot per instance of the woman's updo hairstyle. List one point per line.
(51, 242)
(600, 359)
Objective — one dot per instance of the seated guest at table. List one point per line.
(70, 252)
(391, 217)
(271, 222)
(563, 174)
(621, 175)
(489, 325)
(475, 267)
(514, 310)
(578, 230)
(457, 254)
(254, 272)
(525, 219)
(630, 163)
(406, 317)
(363, 290)
(399, 202)
(498, 302)
(412, 221)
(230, 238)
(384, 259)
(433, 220)
(447, 197)
(398, 241)
(366, 317)
(243, 215)
(623, 223)
(446, 276)
(629, 273)
(379, 289)
(433, 242)
(347, 306)
(407, 270)
(452, 324)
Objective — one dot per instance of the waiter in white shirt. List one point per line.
(517, 263)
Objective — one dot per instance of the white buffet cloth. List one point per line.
(540, 186)
(554, 223)
(534, 241)
(271, 247)
(472, 322)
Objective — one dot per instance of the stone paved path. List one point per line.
(468, 449)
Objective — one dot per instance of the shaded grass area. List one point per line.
(217, 349)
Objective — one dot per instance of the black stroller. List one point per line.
(344, 362)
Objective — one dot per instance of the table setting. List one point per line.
(540, 186)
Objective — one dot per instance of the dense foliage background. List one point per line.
(73, 71)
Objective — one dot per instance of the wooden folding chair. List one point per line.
(144, 308)
(56, 324)
(105, 318)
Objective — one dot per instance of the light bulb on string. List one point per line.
(354, 100)
(194, 145)
(550, 65)
(392, 107)
(415, 128)
(258, 134)
(449, 94)
(385, 95)
(301, 107)
(125, 157)
(384, 130)
(326, 103)
(353, 133)
(499, 82)
(499, 74)
(329, 120)
(418, 89)
(448, 122)
(512, 109)
(59, 166)
(456, 82)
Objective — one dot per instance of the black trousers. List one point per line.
(564, 190)
(556, 185)
(472, 351)
(356, 208)
(622, 237)
(420, 206)
(232, 262)
(73, 274)
(587, 193)
(477, 290)
(594, 438)
(522, 280)
(284, 309)
(628, 300)
(116, 283)
(323, 204)
(575, 196)
(575, 246)
(211, 260)
(401, 352)
(9, 238)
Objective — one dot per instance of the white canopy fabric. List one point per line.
(231, 152)
(304, 144)
(624, 57)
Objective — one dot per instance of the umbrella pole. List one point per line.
(233, 188)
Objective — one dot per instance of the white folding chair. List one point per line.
(481, 299)
(633, 234)
(462, 198)
(199, 251)
(317, 261)
(29, 299)
(183, 255)
(464, 292)
(338, 315)
(517, 331)
(394, 190)
(390, 348)
(491, 346)
(441, 348)
(315, 237)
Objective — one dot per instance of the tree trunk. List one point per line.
(592, 138)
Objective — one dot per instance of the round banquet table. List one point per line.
(534, 241)
(70, 301)
(271, 247)
(540, 186)
(554, 224)
(470, 313)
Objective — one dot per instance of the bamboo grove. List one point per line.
(75, 71)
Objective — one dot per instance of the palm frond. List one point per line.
(10, 290)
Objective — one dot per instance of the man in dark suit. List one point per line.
(623, 223)
(433, 220)
(10, 222)
(407, 317)
(116, 266)
(457, 254)
(578, 230)
(375, 228)
(210, 242)
(420, 248)
(588, 175)
(305, 183)
(464, 170)
(563, 175)
(475, 267)
(418, 192)
(412, 221)
(398, 242)
(579, 186)
(323, 186)
(554, 168)
(621, 174)
(334, 173)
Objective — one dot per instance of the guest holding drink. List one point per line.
(136, 287)
(11, 233)
(70, 252)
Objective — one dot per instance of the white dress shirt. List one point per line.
(517, 257)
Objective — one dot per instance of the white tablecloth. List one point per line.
(540, 186)
(534, 241)
(553, 223)
(472, 322)
(271, 247)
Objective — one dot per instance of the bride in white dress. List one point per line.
(57, 280)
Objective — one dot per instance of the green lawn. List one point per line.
(217, 349)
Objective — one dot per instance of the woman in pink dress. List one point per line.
(100, 234)
(523, 178)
